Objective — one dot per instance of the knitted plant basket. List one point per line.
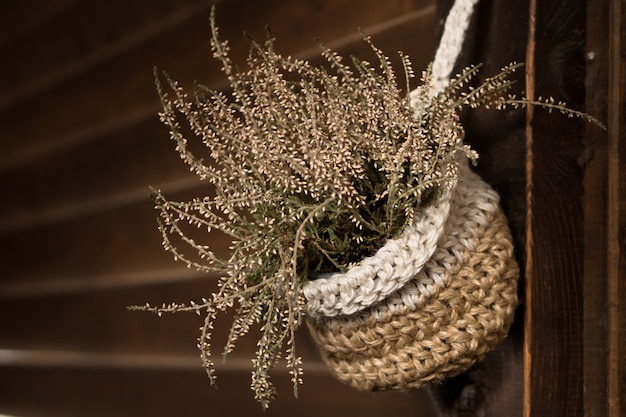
(434, 301)
(427, 305)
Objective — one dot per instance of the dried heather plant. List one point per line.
(313, 169)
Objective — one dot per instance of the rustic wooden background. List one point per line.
(81, 143)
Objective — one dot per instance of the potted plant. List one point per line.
(351, 205)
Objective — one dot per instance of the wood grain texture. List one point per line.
(19, 18)
(616, 227)
(85, 35)
(161, 392)
(605, 184)
(596, 214)
(554, 298)
(81, 144)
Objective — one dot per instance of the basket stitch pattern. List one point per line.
(453, 311)
(376, 277)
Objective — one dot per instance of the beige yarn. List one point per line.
(376, 277)
(449, 315)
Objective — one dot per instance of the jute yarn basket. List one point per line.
(434, 301)
(451, 311)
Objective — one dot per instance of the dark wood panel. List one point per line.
(66, 392)
(99, 322)
(117, 241)
(106, 172)
(605, 214)
(19, 18)
(122, 87)
(595, 282)
(84, 36)
(616, 225)
(554, 298)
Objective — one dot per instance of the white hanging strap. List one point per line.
(450, 45)
(451, 42)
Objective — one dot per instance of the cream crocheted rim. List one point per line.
(378, 276)
(421, 256)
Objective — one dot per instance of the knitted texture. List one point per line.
(449, 48)
(448, 315)
(378, 276)
(431, 303)
(451, 42)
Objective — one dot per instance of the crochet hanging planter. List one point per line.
(421, 309)
(319, 174)
(433, 302)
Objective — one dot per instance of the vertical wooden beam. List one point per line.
(605, 214)
(530, 244)
(617, 211)
(554, 232)
(595, 368)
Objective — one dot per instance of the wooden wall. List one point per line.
(81, 143)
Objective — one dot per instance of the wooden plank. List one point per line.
(98, 322)
(554, 299)
(19, 18)
(605, 313)
(33, 392)
(596, 214)
(117, 241)
(90, 101)
(110, 171)
(84, 36)
(616, 225)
